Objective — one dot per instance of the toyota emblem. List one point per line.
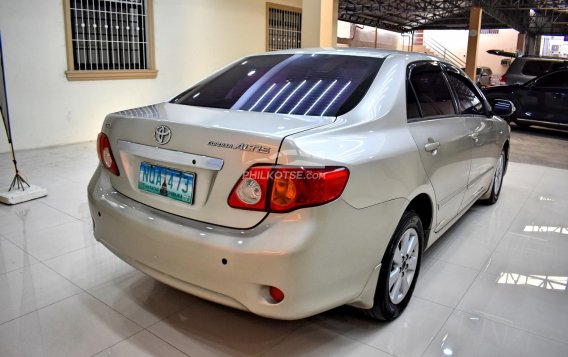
(162, 135)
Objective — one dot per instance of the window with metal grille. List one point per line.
(489, 31)
(284, 27)
(109, 39)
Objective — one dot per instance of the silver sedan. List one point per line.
(289, 183)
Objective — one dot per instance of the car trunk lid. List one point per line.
(206, 152)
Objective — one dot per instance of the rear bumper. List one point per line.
(320, 257)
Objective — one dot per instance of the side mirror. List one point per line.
(502, 107)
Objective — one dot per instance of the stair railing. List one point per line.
(443, 52)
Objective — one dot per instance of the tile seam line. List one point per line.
(482, 269)
(564, 343)
(173, 313)
(141, 328)
(23, 266)
(115, 310)
(166, 342)
(94, 297)
(430, 340)
(49, 227)
(50, 258)
(125, 339)
(281, 341)
(199, 302)
(63, 212)
(81, 290)
(41, 308)
(132, 273)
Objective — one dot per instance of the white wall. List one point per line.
(364, 36)
(456, 42)
(192, 38)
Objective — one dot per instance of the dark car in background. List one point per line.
(525, 68)
(542, 101)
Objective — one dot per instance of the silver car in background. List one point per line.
(292, 182)
(483, 76)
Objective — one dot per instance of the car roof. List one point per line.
(365, 52)
(537, 58)
(552, 72)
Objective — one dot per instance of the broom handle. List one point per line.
(9, 135)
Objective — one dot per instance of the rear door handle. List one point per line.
(432, 146)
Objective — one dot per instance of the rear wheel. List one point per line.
(399, 269)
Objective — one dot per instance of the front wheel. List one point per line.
(497, 180)
(399, 269)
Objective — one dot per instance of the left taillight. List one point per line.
(105, 154)
(284, 189)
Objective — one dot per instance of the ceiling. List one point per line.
(543, 17)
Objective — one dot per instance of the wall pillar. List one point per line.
(521, 42)
(319, 23)
(533, 45)
(473, 41)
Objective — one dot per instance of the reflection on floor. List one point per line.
(494, 285)
(539, 146)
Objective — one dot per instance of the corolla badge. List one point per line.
(242, 146)
(162, 134)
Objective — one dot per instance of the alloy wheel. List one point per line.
(403, 267)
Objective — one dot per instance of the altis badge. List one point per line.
(243, 147)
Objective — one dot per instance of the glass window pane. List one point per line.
(432, 90)
(536, 68)
(469, 101)
(559, 65)
(315, 85)
(558, 79)
(109, 35)
(284, 28)
(412, 110)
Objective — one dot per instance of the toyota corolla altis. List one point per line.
(289, 183)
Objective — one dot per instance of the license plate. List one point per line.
(174, 184)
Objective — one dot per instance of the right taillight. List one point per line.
(105, 154)
(503, 79)
(285, 188)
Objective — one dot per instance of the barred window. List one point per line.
(109, 39)
(284, 27)
(489, 31)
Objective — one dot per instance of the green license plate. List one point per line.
(174, 184)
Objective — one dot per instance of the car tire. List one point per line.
(403, 254)
(497, 182)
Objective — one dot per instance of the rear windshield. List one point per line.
(305, 84)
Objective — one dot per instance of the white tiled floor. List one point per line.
(495, 285)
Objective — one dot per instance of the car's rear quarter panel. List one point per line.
(374, 143)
